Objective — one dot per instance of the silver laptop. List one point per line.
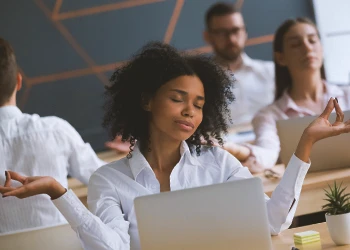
(42, 238)
(224, 216)
(330, 153)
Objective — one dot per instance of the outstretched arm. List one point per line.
(284, 200)
(112, 233)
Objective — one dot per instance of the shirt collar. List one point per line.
(247, 61)
(9, 112)
(286, 103)
(138, 162)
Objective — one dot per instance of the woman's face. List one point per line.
(176, 109)
(302, 49)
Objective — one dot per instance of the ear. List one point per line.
(279, 58)
(206, 37)
(19, 81)
(145, 102)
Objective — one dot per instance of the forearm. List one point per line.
(304, 147)
(56, 190)
(241, 152)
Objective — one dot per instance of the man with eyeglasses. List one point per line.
(254, 88)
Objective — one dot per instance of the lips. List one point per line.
(186, 123)
(308, 58)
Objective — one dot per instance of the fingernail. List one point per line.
(336, 99)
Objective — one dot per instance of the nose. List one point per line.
(232, 38)
(307, 46)
(188, 111)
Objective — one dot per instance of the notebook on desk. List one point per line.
(330, 153)
(224, 216)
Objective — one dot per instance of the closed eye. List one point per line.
(175, 100)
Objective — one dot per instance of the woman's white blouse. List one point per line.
(111, 224)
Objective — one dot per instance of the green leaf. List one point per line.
(338, 202)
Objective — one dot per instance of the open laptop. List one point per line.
(330, 153)
(42, 238)
(224, 216)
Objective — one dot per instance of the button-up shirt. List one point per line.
(267, 145)
(36, 146)
(254, 89)
(112, 224)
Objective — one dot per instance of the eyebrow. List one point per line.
(297, 37)
(185, 93)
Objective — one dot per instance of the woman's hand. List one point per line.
(321, 128)
(31, 186)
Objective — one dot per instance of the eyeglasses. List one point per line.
(225, 33)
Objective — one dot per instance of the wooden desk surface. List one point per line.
(311, 181)
(110, 156)
(312, 194)
(285, 240)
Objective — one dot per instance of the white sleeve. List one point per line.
(282, 205)
(267, 143)
(284, 200)
(107, 229)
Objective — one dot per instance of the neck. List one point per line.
(307, 87)
(11, 102)
(232, 65)
(164, 153)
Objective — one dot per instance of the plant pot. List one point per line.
(339, 228)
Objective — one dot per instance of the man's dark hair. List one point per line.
(219, 9)
(8, 71)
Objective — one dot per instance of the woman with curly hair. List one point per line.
(167, 105)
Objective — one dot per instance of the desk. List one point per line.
(285, 240)
(312, 194)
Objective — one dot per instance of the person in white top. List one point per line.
(33, 145)
(254, 86)
(301, 90)
(169, 103)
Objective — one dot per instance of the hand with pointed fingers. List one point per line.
(321, 128)
(31, 186)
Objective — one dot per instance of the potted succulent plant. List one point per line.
(338, 214)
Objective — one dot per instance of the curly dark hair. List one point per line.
(145, 73)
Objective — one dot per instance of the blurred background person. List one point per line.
(301, 90)
(226, 33)
(34, 145)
